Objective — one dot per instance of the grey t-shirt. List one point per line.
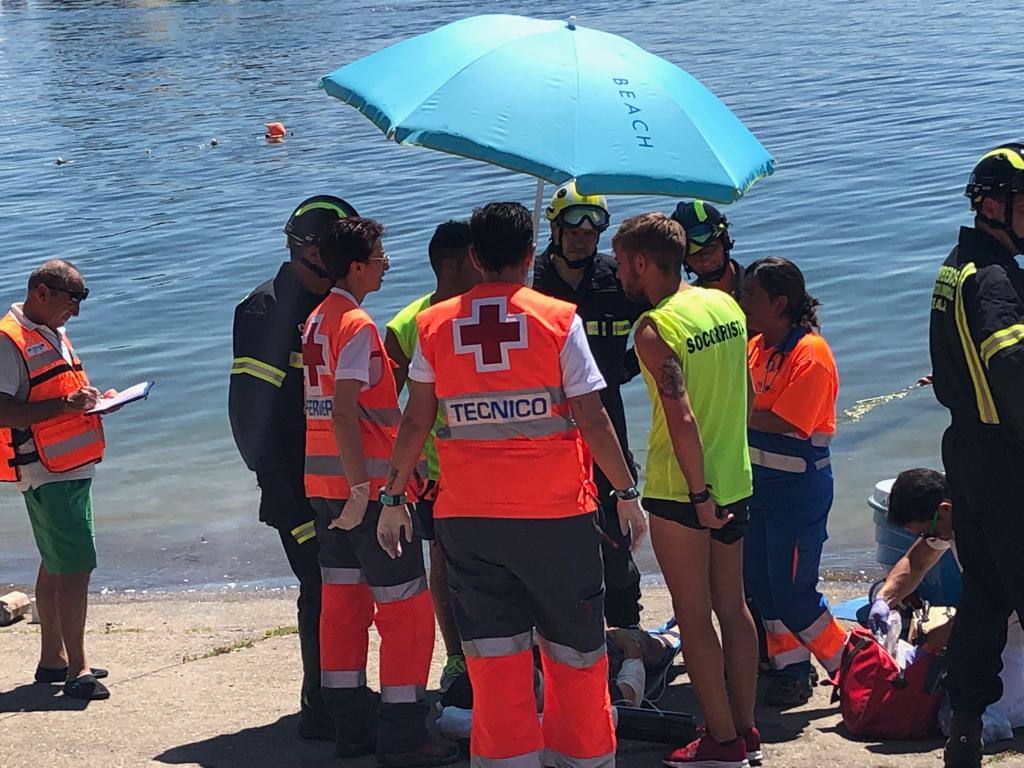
(14, 382)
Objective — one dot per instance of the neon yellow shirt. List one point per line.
(708, 332)
(403, 325)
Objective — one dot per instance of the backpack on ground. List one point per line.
(878, 700)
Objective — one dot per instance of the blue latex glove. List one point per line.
(911, 655)
(878, 617)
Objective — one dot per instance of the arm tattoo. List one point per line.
(670, 379)
(392, 476)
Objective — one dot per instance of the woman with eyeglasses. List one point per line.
(795, 384)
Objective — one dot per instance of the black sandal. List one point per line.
(60, 674)
(87, 688)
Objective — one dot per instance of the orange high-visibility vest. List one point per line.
(508, 446)
(329, 328)
(64, 442)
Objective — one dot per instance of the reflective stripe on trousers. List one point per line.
(258, 369)
(563, 654)
(817, 439)
(341, 575)
(398, 592)
(543, 757)
(784, 463)
(826, 640)
(402, 694)
(558, 760)
(784, 648)
(303, 533)
(534, 759)
(355, 678)
(492, 647)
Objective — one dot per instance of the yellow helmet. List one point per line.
(572, 209)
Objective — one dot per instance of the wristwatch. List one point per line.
(701, 496)
(629, 494)
(387, 500)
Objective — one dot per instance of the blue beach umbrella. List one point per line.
(556, 101)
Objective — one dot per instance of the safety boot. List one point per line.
(785, 691)
(963, 748)
(435, 751)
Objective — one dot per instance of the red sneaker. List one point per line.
(705, 752)
(752, 739)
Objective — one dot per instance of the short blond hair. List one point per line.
(661, 239)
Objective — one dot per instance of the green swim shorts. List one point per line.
(61, 516)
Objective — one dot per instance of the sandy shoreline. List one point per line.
(211, 679)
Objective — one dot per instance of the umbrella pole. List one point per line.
(538, 200)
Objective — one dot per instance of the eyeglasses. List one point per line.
(575, 215)
(76, 296)
(930, 533)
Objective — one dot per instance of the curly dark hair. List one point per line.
(781, 277)
(347, 240)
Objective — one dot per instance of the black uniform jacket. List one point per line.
(608, 317)
(265, 399)
(977, 337)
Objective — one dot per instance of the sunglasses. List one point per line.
(76, 296)
(574, 216)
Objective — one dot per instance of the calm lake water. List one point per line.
(875, 113)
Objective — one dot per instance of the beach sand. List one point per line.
(211, 679)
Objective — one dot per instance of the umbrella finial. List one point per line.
(571, 23)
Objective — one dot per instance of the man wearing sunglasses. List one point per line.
(265, 406)
(572, 269)
(708, 245)
(49, 446)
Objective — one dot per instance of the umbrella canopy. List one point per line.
(556, 101)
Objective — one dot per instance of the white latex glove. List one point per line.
(354, 511)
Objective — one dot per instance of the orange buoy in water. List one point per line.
(275, 131)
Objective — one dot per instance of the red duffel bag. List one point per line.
(879, 701)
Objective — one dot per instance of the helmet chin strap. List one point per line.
(556, 249)
(1006, 224)
(717, 274)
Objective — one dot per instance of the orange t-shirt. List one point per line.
(801, 388)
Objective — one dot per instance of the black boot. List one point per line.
(963, 749)
(354, 712)
(403, 740)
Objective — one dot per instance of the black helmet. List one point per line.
(999, 172)
(312, 215)
(702, 222)
(999, 175)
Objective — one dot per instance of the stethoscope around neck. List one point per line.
(778, 356)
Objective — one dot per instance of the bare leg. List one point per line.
(51, 654)
(443, 601)
(684, 555)
(739, 635)
(72, 599)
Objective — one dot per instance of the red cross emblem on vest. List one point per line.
(314, 355)
(489, 333)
